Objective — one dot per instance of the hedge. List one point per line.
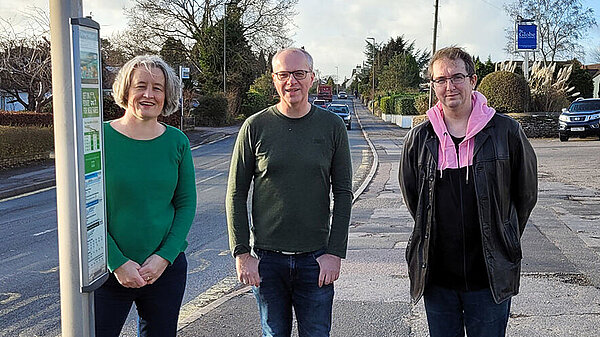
(211, 110)
(25, 118)
(21, 145)
(400, 104)
(405, 106)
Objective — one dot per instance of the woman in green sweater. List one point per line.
(151, 203)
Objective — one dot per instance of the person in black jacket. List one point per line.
(469, 179)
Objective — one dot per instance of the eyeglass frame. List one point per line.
(292, 73)
(437, 84)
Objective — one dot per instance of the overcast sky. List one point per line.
(334, 31)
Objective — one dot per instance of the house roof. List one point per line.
(593, 69)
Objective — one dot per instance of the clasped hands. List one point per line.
(131, 275)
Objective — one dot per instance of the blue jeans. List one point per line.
(291, 281)
(157, 304)
(450, 312)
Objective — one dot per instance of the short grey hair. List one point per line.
(172, 82)
(309, 59)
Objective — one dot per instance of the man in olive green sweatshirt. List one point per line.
(295, 153)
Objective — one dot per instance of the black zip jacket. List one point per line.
(505, 180)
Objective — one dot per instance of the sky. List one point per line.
(334, 31)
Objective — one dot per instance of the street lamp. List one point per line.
(337, 76)
(373, 67)
(225, 46)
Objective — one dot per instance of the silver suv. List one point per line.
(581, 119)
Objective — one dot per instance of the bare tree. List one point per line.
(595, 57)
(265, 22)
(562, 25)
(25, 62)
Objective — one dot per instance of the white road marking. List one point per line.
(18, 256)
(27, 194)
(51, 270)
(23, 303)
(209, 178)
(9, 297)
(45, 232)
(212, 142)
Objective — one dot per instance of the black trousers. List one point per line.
(157, 304)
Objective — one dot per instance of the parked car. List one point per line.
(321, 103)
(343, 112)
(342, 95)
(580, 119)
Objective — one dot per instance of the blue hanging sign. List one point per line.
(526, 37)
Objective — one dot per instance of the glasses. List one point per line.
(455, 79)
(298, 74)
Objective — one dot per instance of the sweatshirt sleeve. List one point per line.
(241, 172)
(116, 258)
(341, 185)
(184, 202)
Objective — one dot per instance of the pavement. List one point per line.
(560, 282)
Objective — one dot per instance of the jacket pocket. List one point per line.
(512, 241)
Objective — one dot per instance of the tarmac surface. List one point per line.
(560, 283)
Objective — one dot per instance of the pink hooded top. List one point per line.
(447, 157)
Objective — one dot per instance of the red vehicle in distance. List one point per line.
(324, 92)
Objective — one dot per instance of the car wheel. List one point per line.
(349, 126)
(563, 138)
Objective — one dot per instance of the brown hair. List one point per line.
(453, 53)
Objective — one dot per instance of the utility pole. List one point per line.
(373, 69)
(224, 49)
(433, 49)
(76, 307)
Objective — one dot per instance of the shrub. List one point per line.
(405, 105)
(506, 91)
(550, 89)
(422, 103)
(25, 118)
(548, 99)
(211, 110)
(21, 145)
(253, 102)
(387, 105)
(582, 81)
(110, 109)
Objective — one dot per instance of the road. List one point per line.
(29, 297)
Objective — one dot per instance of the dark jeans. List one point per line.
(291, 281)
(157, 304)
(450, 312)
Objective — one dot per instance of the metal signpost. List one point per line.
(184, 74)
(526, 34)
